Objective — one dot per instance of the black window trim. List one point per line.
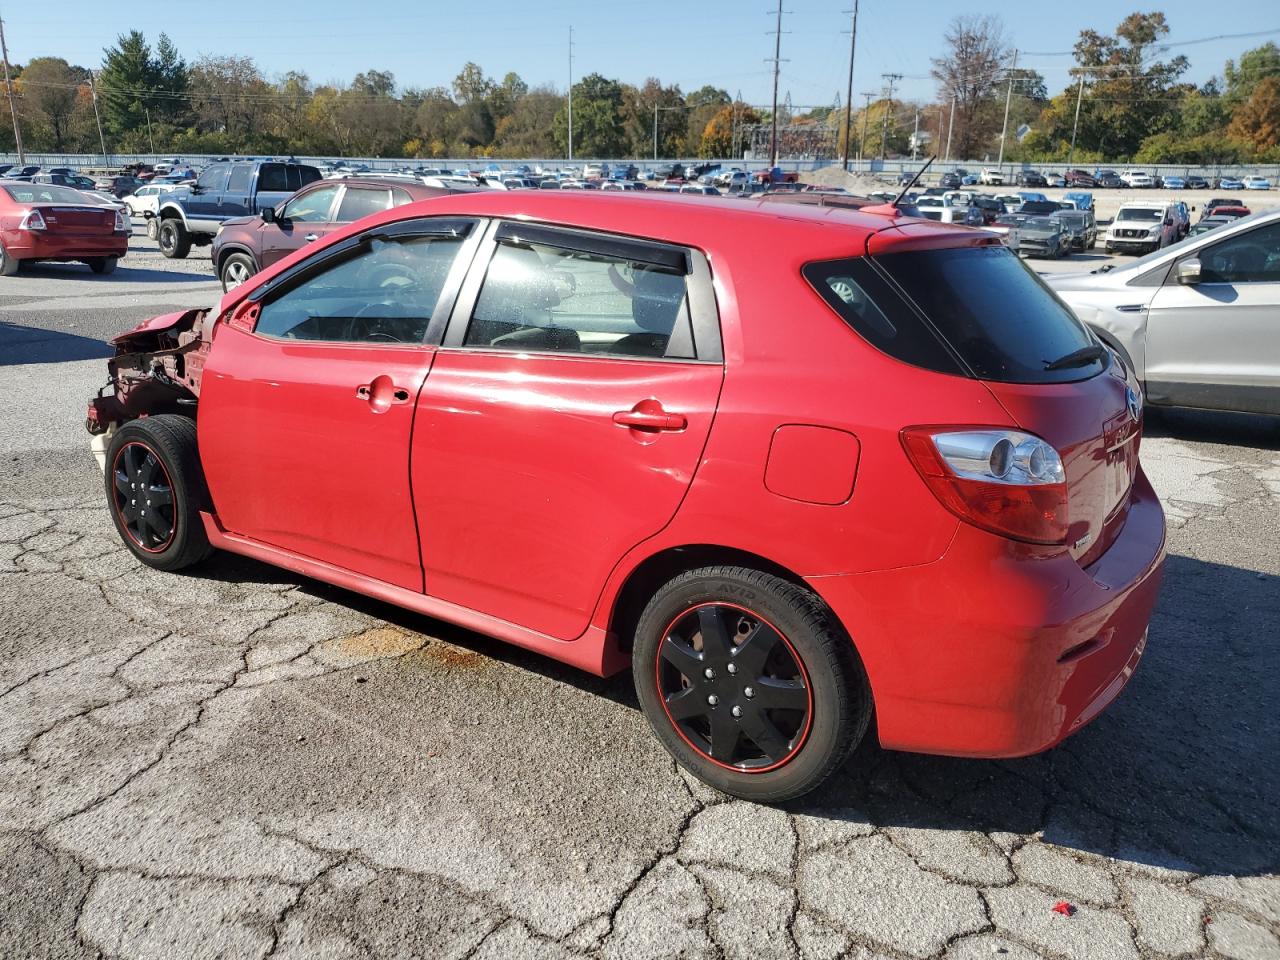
(704, 315)
(468, 229)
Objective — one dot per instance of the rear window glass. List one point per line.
(307, 175)
(45, 193)
(272, 178)
(995, 313)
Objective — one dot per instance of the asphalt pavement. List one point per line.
(236, 762)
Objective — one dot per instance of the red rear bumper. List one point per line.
(993, 651)
(38, 245)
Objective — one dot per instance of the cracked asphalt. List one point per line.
(240, 763)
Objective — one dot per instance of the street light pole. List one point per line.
(93, 90)
(1008, 98)
(571, 94)
(951, 125)
(1076, 125)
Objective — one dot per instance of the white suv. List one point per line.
(1141, 227)
(1138, 180)
(991, 177)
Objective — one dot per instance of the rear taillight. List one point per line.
(122, 225)
(1004, 481)
(32, 221)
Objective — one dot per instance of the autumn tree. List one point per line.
(1256, 122)
(718, 136)
(970, 74)
(49, 86)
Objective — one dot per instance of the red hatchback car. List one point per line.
(42, 221)
(881, 471)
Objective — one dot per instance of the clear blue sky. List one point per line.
(424, 42)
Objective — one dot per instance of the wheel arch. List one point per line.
(171, 211)
(653, 571)
(226, 250)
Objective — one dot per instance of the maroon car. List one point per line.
(246, 245)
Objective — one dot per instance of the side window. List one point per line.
(311, 207)
(537, 297)
(400, 197)
(272, 178)
(385, 292)
(238, 182)
(212, 179)
(1252, 257)
(357, 203)
(305, 175)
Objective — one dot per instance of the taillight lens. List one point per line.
(122, 225)
(1004, 481)
(33, 221)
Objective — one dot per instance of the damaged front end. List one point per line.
(157, 369)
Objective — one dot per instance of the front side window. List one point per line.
(542, 298)
(384, 292)
(311, 207)
(357, 203)
(213, 178)
(1252, 257)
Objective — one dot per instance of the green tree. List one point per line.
(49, 86)
(1255, 66)
(597, 120)
(526, 130)
(127, 82)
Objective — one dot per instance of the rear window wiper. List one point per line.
(1078, 358)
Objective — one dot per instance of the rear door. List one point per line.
(563, 419)
(1216, 343)
(275, 183)
(309, 398)
(237, 199)
(304, 219)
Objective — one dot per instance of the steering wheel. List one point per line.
(390, 275)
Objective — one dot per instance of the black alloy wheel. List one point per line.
(734, 687)
(143, 497)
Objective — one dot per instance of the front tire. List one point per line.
(174, 240)
(236, 269)
(103, 265)
(153, 228)
(749, 682)
(156, 489)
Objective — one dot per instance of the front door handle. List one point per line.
(380, 393)
(649, 418)
(311, 236)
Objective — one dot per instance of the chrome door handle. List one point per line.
(311, 236)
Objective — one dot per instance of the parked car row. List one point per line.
(1104, 178)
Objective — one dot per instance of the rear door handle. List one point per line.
(650, 420)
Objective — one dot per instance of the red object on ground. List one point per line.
(1064, 908)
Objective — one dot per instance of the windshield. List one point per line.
(1146, 215)
(1043, 223)
(46, 193)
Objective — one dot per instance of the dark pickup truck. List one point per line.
(192, 215)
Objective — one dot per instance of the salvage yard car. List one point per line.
(49, 222)
(575, 423)
(1196, 322)
(1141, 226)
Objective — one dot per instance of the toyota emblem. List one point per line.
(1134, 402)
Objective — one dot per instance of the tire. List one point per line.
(153, 228)
(8, 265)
(158, 454)
(801, 656)
(103, 264)
(236, 268)
(174, 240)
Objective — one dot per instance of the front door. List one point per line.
(1216, 344)
(304, 219)
(562, 422)
(306, 418)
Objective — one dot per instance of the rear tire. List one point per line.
(174, 240)
(103, 264)
(778, 645)
(156, 489)
(153, 228)
(8, 265)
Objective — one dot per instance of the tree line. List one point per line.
(1126, 102)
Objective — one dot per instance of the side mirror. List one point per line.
(1188, 272)
(268, 214)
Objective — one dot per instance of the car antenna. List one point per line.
(919, 173)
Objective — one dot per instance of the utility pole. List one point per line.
(776, 60)
(915, 137)
(150, 138)
(102, 141)
(848, 103)
(733, 143)
(1008, 98)
(866, 113)
(571, 93)
(1071, 155)
(13, 107)
(892, 78)
(951, 125)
